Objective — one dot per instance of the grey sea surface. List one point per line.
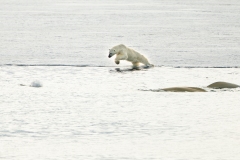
(169, 33)
(61, 97)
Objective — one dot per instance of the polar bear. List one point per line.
(124, 53)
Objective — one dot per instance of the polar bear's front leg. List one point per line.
(120, 56)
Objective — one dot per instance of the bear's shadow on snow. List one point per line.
(132, 69)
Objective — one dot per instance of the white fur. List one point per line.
(124, 53)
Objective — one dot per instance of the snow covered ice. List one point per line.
(96, 113)
(90, 108)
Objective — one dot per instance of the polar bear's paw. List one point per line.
(148, 66)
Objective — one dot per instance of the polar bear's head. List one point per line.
(115, 50)
(112, 52)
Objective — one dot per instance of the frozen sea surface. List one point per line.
(80, 107)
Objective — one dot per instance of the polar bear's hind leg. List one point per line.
(144, 61)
